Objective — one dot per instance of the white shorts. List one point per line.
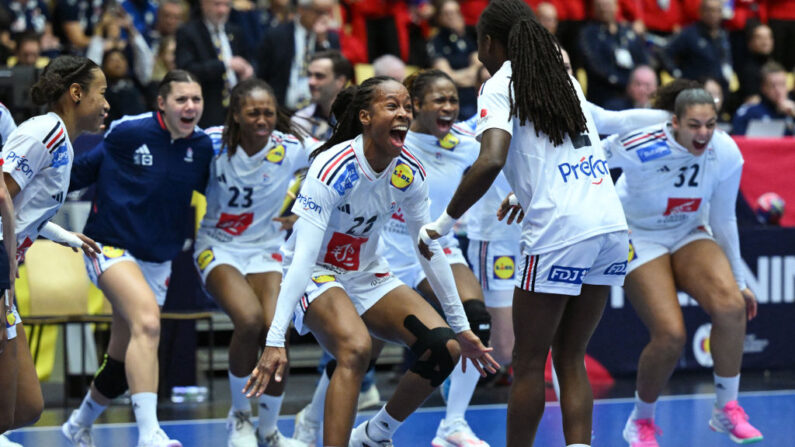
(246, 259)
(12, 320)
(157, 274)
(364, 288)
(494, 263)
(413, 274)
(599, 260)
(647, 245)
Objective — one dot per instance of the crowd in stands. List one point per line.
(622, 49)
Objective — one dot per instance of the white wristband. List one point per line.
(55, 233)
(513, 200)
(443, 224)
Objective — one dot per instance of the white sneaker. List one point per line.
(306, 430)
(276, 439)
(369, 398)
(158, 438)
(641, 432)
(360, 438)
(5, 442)
(77, 435)
(456, 433)
(240, 430)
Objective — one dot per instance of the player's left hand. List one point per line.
(510, 207)
(474, 350)
(271, 364)
(89, 247)
(286, 222)
(750, 303)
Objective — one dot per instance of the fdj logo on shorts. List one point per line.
(308, 204)
(402, 176)
(586, 168)
(504, 267)
(345, 181)
(571, 275)
(276, 155)
(618, 269)
(205, 258)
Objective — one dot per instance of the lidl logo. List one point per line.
(504, 267)
(276, 155)
(632, 256)
(112, 252)
(322, 279)
(449, 141)
(11, 318)
(402, 176)
(205, 258)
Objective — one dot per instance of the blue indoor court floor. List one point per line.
(683, 420)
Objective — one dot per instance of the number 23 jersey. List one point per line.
(345, 197)
(246, 192)
(665, 187)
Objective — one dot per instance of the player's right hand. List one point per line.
(272, 363)
(474, 350)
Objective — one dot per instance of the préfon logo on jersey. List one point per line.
(402, 176)
(276, 155)
(22, 163)
(657, 150)
(345, 181)
(60, 156)
(618, 269)
(586, 168)
(570, 275)
(308, 203)
(504, 267)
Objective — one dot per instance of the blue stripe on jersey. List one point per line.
(331, 160)
(51, 133)
(463, 130)
(644, 140)
(344, 162)
(415, 164)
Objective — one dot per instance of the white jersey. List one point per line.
(445, 162)
(245, 192)
(565, 191)
(7, 124)
(482, 223)
(38, 155)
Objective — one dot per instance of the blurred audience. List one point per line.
(640, 89)
(775, 103)
(389, 65)
(760, 50)
(780, 15)
(329, 73)
(547, 15)
(28, 52)
(122, 94)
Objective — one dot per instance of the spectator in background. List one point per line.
(760, 49)
(283, 56)
(210, 48)
(170, 16)
(144, 17)
(116, 31)
(122, 94)
(329, 73)
(775, 103)
(610, 51)
(454, 53)
(547, 15)
(254, 21)
(164, 59)
(702, 49)
(713, 88)
(389, 65)
(28, 52)
(780, 15)
(27, 16)
(640, 89)
(74, 22)
(661, 18)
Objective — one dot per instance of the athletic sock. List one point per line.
(643, 410)
(145, 409)
(726, 389)
(462, 386)
(314, 411)
(239, 400)
(269, 408)
(88, 411)
(382, 426)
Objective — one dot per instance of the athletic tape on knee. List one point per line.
(439, 363)
(111, 379)
(479, 319)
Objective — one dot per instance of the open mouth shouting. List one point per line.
(699, 144)
(397, 135)
(444, 123)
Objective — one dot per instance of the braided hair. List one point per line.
(346, 109)
(420, 81)
(231, 135)
(59, 75)
(542, 92)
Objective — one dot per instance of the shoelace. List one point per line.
(241, 419)
(83, 437)
(461, 425)
(647, 430)
(735, 414)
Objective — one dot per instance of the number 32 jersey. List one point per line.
(345, 197)
(246, 192)
(665, 187)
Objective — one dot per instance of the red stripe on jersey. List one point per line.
(2, 161)
(644, 136)
(55, 138)
(408, 154)
(364, 171)
(160, 120)
(530, 260)
(339, 158)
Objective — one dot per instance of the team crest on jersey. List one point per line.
(449, 141)
(188, 155)
(402, 176)
(346, 179)
(276, 155)
(323, 279)
(205, 258)
(60, 156)
(112, 252)
(235, 224)
(504, 267)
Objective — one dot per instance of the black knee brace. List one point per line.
(111, 379)
(479, 319)
(439, 363)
